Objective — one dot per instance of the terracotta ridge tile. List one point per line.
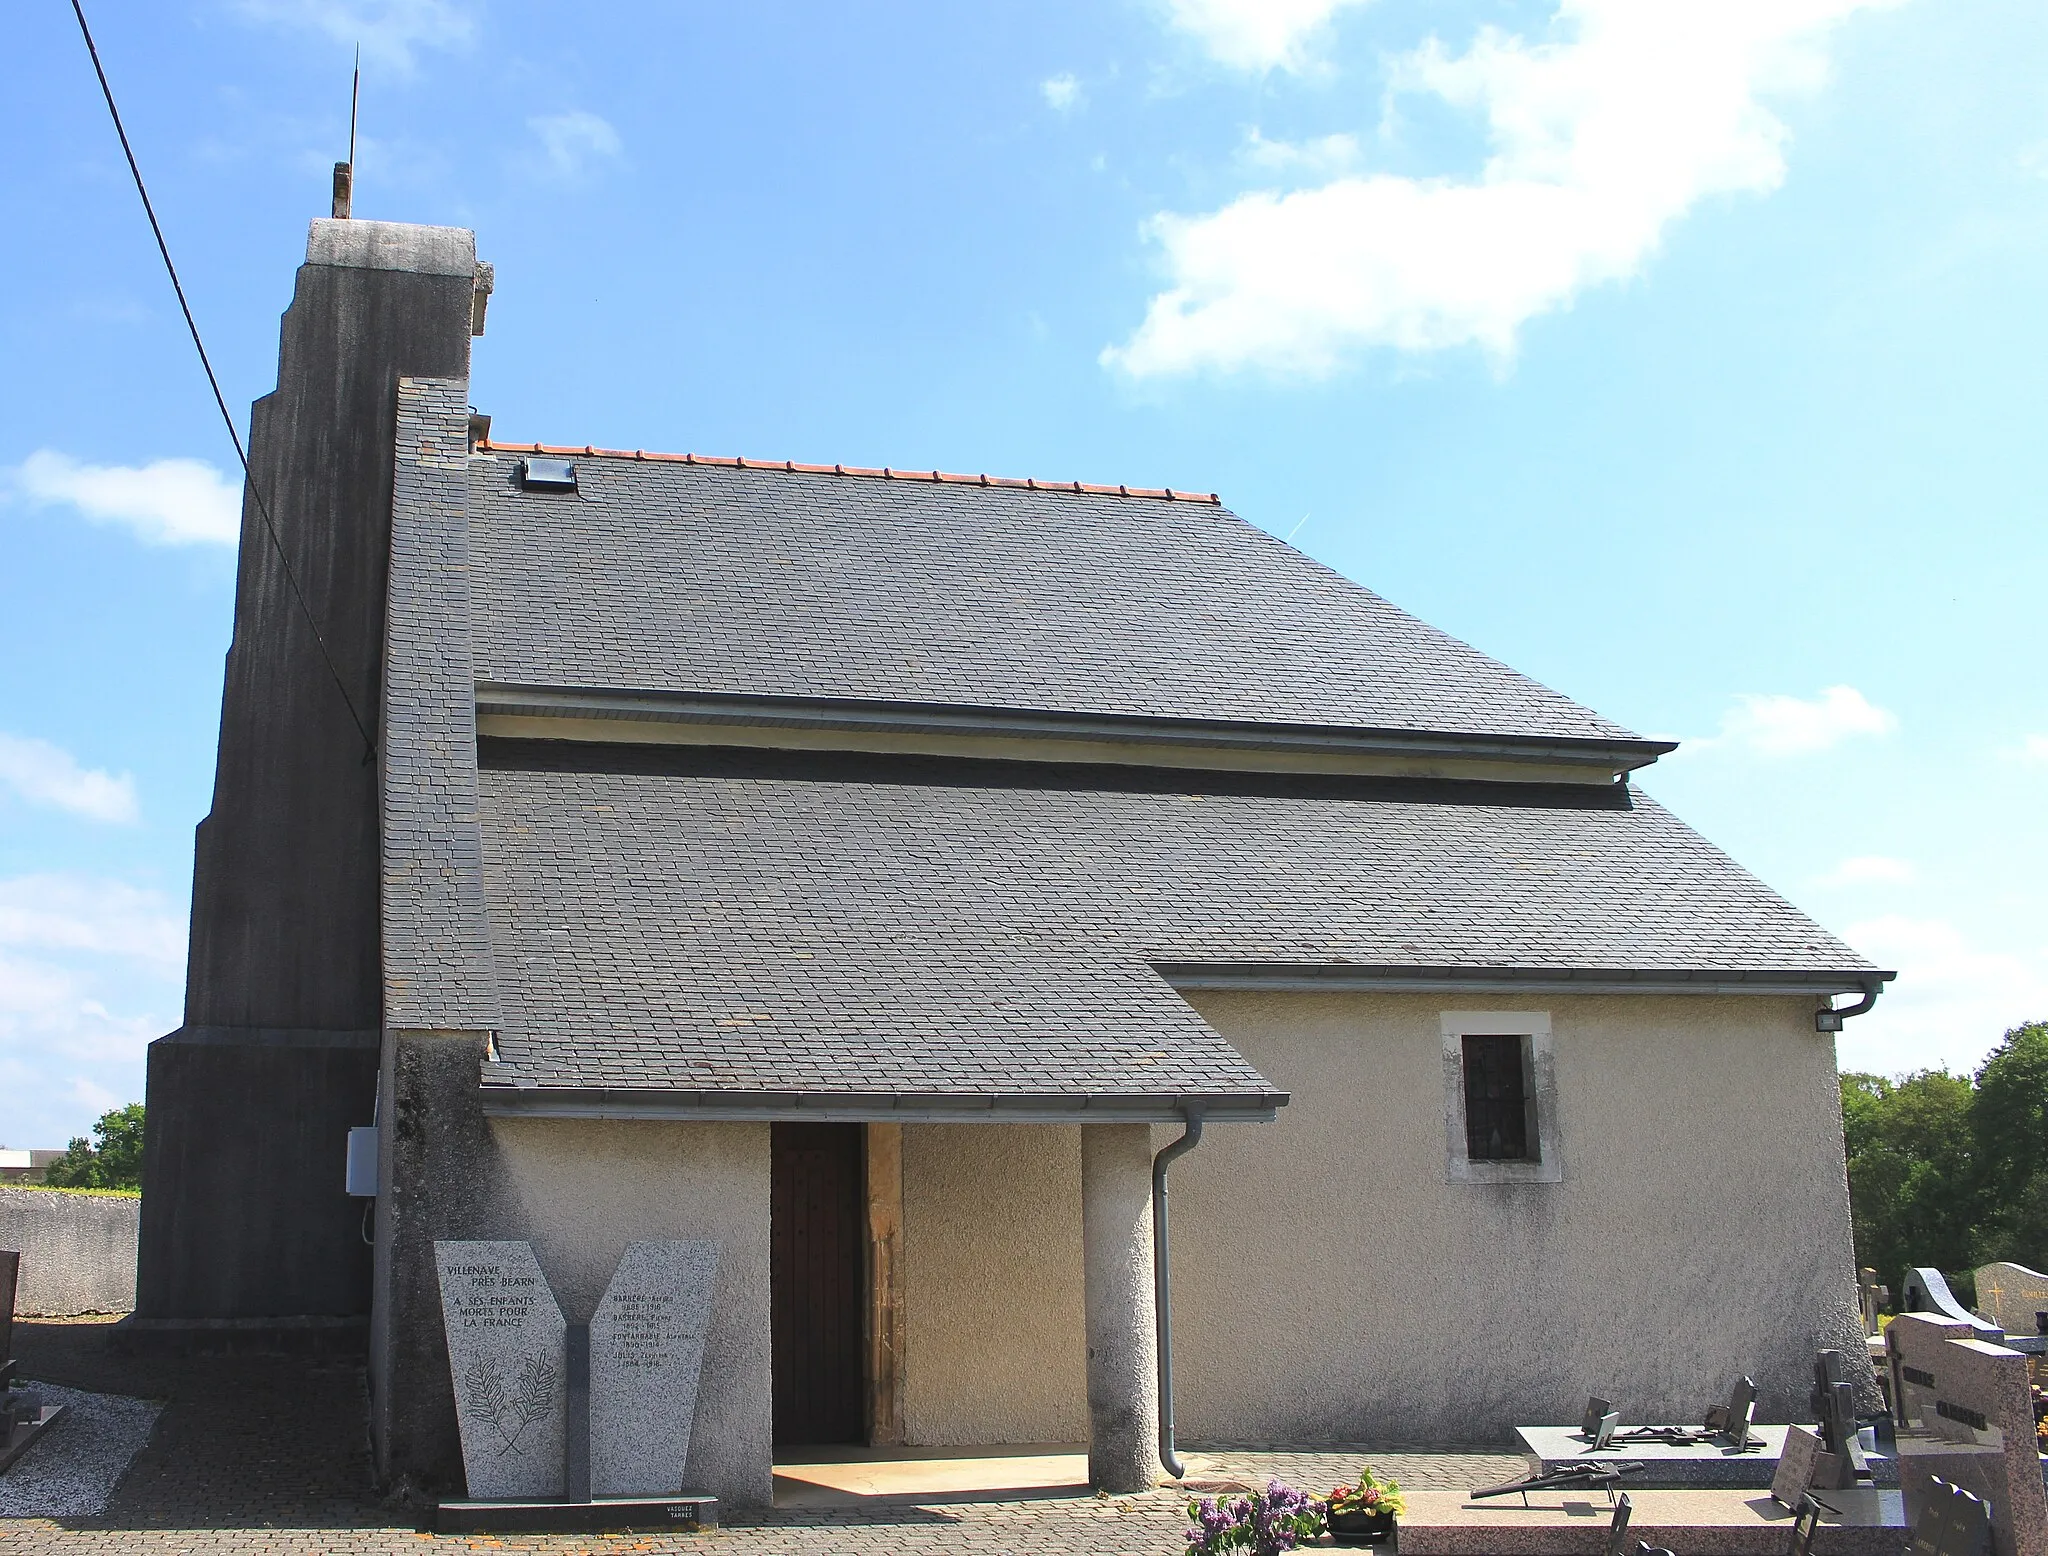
(885, 473)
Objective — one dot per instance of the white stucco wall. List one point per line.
(580, 1190)
(1331, 1285)
(995, 1349)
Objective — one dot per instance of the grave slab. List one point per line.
(1727, 1523)
(24, 1434)
(646, 1354)
(506, 1351)
(1708, 1464)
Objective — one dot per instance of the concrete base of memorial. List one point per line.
(23, 1435)
(1708, 1465)
(590, 1517)
(1726, 1523)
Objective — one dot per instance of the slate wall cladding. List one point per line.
(438, 971)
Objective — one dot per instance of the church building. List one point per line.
(903, 878)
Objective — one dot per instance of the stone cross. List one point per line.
(1874, 1297)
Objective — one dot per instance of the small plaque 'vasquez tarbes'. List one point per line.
(505, 1355)
(646, 1350)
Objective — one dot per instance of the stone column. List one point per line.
(1116, 1241)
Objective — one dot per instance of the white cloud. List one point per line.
(573, 143)
(2034, 749)
(1062, 92)
(1322, 157)
(43, 774)
(89, 972)
(172, 502)
(82, 913)
(1602, 135)
(1869, 870)
(1798, 726)
(1256, 34)
(1951, 1002)
(390, 31)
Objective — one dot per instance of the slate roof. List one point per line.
(661, 576)
(669, 918)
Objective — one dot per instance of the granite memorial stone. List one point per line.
(506, 1353)
(646, 1352)
(2012, 1297)
(1926, 1291)
(1965, 1418)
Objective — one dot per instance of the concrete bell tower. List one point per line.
(246, 1228)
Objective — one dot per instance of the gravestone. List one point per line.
(1834, 1407)
(1733, 1420)
(646, 1352)
(507, 1355)
(2013, 1297)
(1965, 1418)
(1926, 1291)
(1804, 1464)
(1596, 1408)
(10, 1277)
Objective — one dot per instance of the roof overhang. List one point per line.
(945, 729)
(502, 1101)
(1345, 978)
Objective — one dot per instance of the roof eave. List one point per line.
(532, 1101)
(881, 724)
(1319, 977)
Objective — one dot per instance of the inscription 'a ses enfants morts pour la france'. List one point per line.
(505, 1352)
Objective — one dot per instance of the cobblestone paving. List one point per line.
(269, 1456)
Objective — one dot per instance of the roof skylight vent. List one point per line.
(547, 475)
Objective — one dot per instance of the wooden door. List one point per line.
(816, 1282)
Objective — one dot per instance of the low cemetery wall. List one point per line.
(77, 1250)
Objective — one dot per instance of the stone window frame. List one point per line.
(1533, 1028)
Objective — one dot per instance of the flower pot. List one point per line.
(1362, 1528)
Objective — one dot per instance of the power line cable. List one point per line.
(219, 399)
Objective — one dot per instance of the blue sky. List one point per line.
(1688, 356)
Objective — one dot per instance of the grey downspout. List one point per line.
(1162, 1288)
(1831, 1018)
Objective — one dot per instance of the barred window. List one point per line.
(1497, 1099)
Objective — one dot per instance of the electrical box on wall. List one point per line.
(362, 1161)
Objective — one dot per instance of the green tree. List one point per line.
(115, 1162)
(2009, 1123)
(1913, 1183)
